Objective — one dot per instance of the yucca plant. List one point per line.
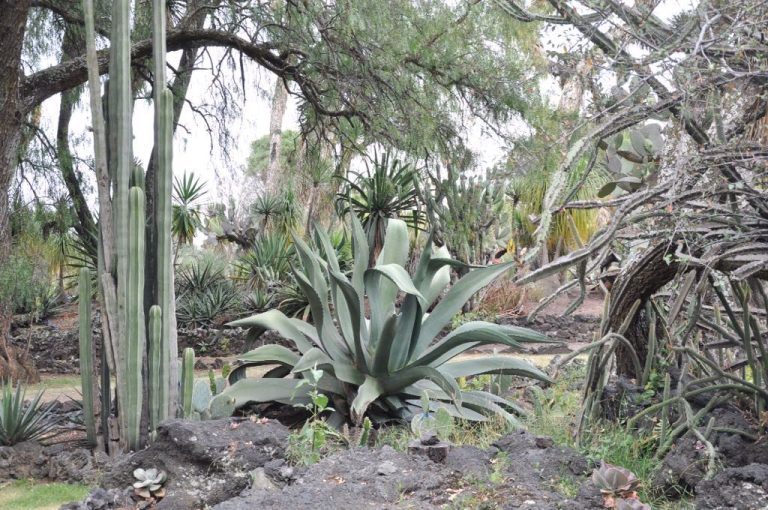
(386, 191)
(378, 359)
(187, 217)
(20, 422)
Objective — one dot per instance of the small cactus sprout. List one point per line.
(149, 483)
(615, 482)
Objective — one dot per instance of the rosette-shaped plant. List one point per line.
(374, 339)
(149, 483)
(615, 482)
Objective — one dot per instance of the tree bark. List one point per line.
(274, 178)
(13, 19)
(639, 281)
(73, 45)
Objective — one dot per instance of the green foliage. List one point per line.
(388, 355)
(31, 495)
(631, 159)
(268, 263)
(24, 422)
(427, 421)
(308, 444)
(187, 217)
(258, 159)
(25, 283)
(386, 191)
(205, 293)
(468, 213)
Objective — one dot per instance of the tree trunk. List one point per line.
(73, 45)
(274, 177)
(639, 281)
(13, 19)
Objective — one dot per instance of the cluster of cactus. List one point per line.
(196, 396)
(616, 484)
(124, 304)
(469, 214)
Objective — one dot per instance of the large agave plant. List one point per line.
(379, 358)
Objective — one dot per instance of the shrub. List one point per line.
(378, 360)
(20, 422)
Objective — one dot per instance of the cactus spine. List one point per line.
(165, 394)
(86, 354)
(135, 331)
(155, 360)
(187, 381)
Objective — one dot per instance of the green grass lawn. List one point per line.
(31, 495)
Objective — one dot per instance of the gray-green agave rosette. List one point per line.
(379, 358)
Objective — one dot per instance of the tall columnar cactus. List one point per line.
(129, 326)
(165, 395)
(86, 354)
(187, 381)
(155, 361)
(135, 330)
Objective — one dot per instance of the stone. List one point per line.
(260, 480)
(544, 442)
(436, 452)
(735, 488)
(386, 468)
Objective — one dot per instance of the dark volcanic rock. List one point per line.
(682, 468)
(207, 462)
(742, 488)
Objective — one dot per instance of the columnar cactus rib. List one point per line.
(86, 354)
(156, 386)
(135, 330)
(121, 158)
(187, 381)
(169, 377)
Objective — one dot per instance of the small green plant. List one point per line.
(500, 464)
(149, 483)
(438, 422)
(308, 444)
(615, 483)
(20, 422)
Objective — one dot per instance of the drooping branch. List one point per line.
(39, 86)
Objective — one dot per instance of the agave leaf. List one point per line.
(398, 276)
(493, 365)
(381, 355)
(256, 390)
(464, 413)
(359, 329)
(369, 391)
(270, 354)
(293, 329)
(407, 328)
(397, 381)
(476, 333)
(361, 254)
(329, 337)
(393, 252)
(342, 371)
(454, 300)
